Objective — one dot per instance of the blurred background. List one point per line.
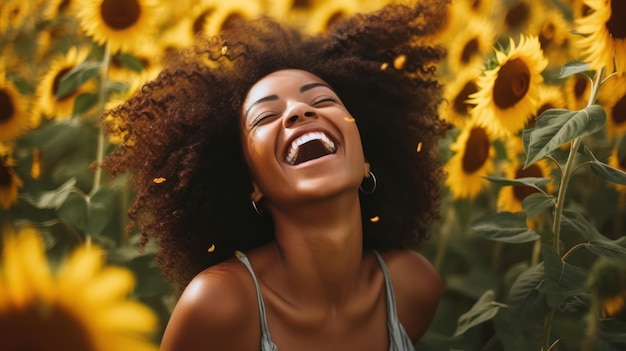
(508, 285)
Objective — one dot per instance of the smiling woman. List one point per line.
(260, 150)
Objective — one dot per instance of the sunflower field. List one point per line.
(531, 245)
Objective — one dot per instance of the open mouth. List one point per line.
(310, 146)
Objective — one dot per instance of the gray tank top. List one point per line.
(398, 339)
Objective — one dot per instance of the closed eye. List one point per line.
(324, 99)
(262, 117)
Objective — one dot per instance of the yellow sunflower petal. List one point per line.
(14, 119)
(121, 23)
(128, 316)
(473, 159)
(469, 47)
(605, 35)
(47, 102)
(508, 94)
(80, 267)
(111, 285)
(613, 99)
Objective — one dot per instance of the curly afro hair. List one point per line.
(183, 128)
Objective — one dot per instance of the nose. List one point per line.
(297, 113)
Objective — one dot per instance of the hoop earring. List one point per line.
(371, 191)
(256, 208)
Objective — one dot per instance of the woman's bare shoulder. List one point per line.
(417, 288)
(216, 311)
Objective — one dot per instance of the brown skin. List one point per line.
(321, 291)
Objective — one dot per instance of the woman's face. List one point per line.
(299, 140)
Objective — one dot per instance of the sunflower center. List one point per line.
(540, 110)
(580, 86)
(512, 83)
(476, 150)
(57, 82)
(460, 104)
(616, 24)
(476, 5)
(120, 14)
(200, 21)
(233, 21)
(7, 106)
(470, 49)
(521, 192)
(57, 329)
(517, 15)
(5, 176)
(619, 111)
(302, 4)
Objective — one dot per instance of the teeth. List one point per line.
(292, 154)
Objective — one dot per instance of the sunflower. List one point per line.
(553, 33)
(604, 39)
(48, 104)
(472, 160)
(613, 98)
(83, 306)
(480, 8)
(121, 23)
(56, 8)
(13, 14)
(470, 46)
(519, 15)
(550, 97)
(229, 14)
(323, 17)
(14, 118)
(508, 94)
(456, 108)
(617, 160)
(9, 181)
(510, 198)
(577, 90)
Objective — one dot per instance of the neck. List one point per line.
(319, 247)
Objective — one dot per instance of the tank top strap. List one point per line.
(266, 341)
(398, 338)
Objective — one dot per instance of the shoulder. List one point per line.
(217, 309)
(417, 288)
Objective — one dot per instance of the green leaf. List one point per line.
(116, 88)
(74, 211)
(574, 222)
(51, 199)
(505, 227)
(535, 203)
(575, 67)
(101, 210)
(77, 77)
(129, 61)
(483, 310)
(609, 173)
(84, 102)
(524, 296)
(556, 127)
(533, 182)
(562, 280)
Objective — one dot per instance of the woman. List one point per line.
(284, 179)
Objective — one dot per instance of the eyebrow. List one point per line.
(303, 88)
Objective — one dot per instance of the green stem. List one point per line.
(97, 178)
(567, 170)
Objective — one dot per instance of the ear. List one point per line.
(256, 195)
(366, 170)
